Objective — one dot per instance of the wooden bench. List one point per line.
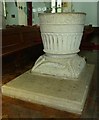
(19, 37)
(20, 46)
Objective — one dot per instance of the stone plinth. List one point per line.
(67, 95)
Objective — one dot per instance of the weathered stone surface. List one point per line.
(61, 37)
(67, 95)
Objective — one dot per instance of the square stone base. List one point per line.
(67, 95)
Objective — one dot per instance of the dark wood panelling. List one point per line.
(18, 38)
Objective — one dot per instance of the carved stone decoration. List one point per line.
(61, 35)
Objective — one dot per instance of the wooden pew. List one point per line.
(21, 45)
(19, 37)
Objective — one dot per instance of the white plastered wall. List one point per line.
(90, 8)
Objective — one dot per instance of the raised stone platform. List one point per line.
(67, 95)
